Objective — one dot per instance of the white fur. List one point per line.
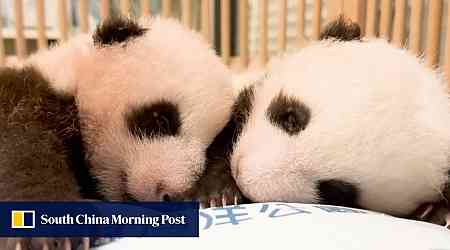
(379, 118)
(57, 64)
(169, 62)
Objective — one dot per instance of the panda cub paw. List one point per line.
(43, 243)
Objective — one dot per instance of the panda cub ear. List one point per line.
(117, 30)
(342, 29)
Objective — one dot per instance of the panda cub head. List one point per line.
(344, 122)
(151, 97)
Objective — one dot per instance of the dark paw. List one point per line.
(44, 243)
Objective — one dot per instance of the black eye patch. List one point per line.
(289, 114)
(338, 193)
(154, 120)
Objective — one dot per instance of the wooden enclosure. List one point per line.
(418, 25)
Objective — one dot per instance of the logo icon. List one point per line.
(22, 219)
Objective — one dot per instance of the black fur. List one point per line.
(341, 29)
(41, 148)
(338, 193)
(217, 179)
(154, 120)
(289, 114)
(241, 109)
(117, 30)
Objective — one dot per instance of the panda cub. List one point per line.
(345, 122)
(125, 114)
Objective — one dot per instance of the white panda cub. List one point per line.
(125, 115)
(344, 122)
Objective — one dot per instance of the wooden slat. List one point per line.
(84, 15)
(21, 49)
(301, 23)
(205, 23)
(316, 19)
(263, 49)
(225, 30)
(2, 46)
(334, 9)
(62, 20)
(145, 8)
(415, 26)
(104, 9)
(433, 32)
(186, 12)
(40, 25)
(371, 15)
(447, 42)
(243, 32)
(125, 7)
(385, 19)
(166, 8)
(282, 25)
(356, 11)
(399, 23)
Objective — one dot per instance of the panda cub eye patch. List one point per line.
(154, 120)
(289, 114)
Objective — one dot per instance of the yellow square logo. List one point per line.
(22, 219)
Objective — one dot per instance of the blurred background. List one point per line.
(243, 33)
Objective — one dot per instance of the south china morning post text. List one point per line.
(85, 219)
(99, 219)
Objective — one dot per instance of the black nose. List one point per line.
(166, 198)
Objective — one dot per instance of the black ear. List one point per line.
(117, 30)
(342, 29)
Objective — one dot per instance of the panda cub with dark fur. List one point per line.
(344, 121)
(125, 114)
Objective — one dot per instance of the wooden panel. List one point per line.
(104, 9)
(40, 25)
(399, 23)
(62, 20)
(145, 8)
(186, 12)
(447, 42)
(316, 19)
(21, 49)
(301, 23)
(433, 32)
(166, 8)
(334, 9)
(225, 30)
(125, 7)
(243, 32)
(385, 19)
(205, 20)
(415, 26)
(84, 15)
(263, 11)
(282, 25)
(371, 15)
